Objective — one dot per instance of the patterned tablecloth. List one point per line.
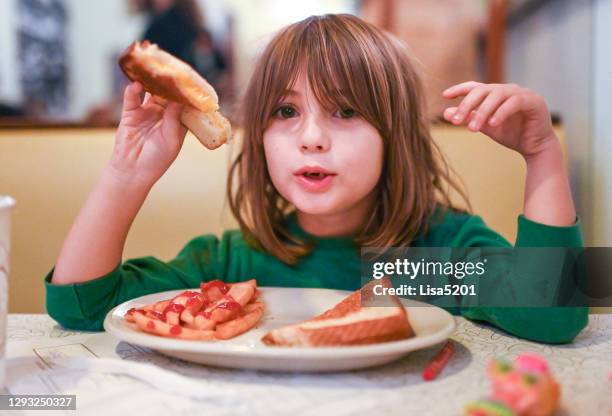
(35, 342)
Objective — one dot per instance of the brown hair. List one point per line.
(348, 62)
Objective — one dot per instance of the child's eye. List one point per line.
(345, 112)
(285, 111)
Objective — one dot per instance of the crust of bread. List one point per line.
(347, 323)
(367, 331)
(212, 129)
(164, 75)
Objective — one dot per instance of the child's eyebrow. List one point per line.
(290, 93)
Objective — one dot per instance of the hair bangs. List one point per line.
(339, 68)
(282, 61)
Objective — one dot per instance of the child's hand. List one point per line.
(149, 137)
(512, 116)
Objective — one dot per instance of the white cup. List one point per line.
(6, 205)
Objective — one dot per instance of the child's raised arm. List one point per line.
(148, 140)
(519, 119)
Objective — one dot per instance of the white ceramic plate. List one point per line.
(286, 306)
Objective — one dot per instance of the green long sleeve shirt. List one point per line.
(334, 264)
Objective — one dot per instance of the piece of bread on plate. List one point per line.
(348, 323)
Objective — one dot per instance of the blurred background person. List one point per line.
(174, 25)
(206, 58)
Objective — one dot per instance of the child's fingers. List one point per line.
(508, 108)
(172, 120)
(172, 112)
(160, 101)
(154, 102)
(488, 106)
(470, 102)
(460, 89)
(131, 96)
(449, 113)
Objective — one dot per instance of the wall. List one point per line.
(551, 52)
(602, 122)
(10, 90)
(96, 31)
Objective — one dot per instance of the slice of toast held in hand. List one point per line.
(166, 76)
(347, 323)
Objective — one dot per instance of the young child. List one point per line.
(336, 155)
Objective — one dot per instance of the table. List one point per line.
(119, 378)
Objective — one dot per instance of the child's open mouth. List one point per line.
(314, 179)
(315, 175)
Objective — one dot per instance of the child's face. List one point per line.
(323, 162)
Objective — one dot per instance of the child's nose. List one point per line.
(314, 138)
